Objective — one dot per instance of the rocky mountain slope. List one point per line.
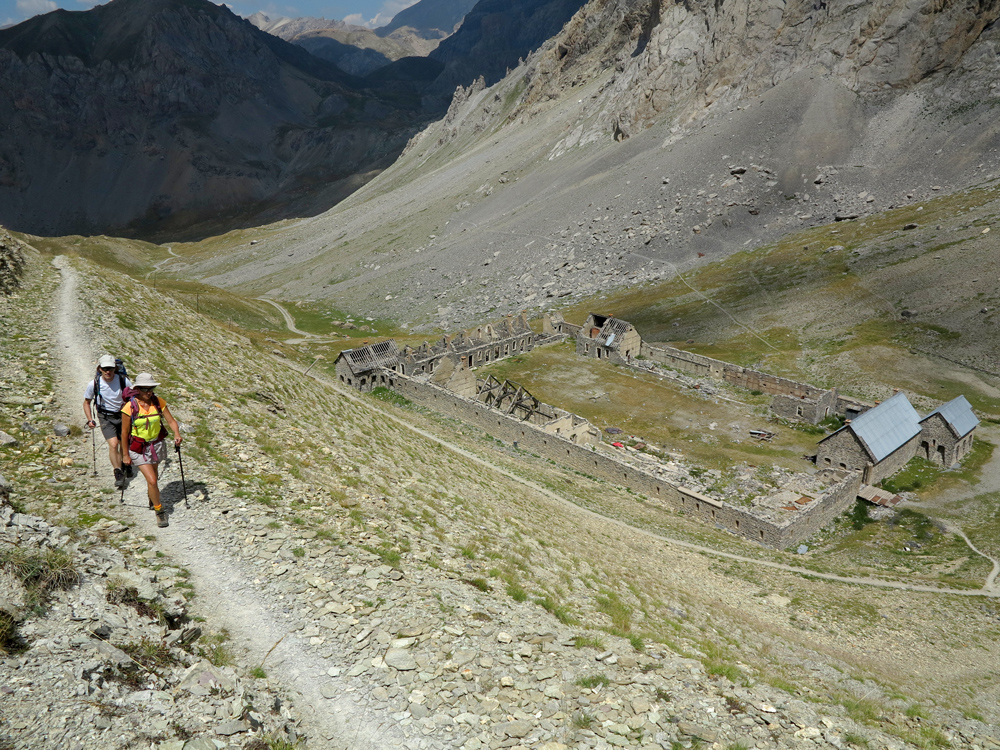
(152, 113)
(645, 139)
(428, 19)
(353, 49)
(494, 37)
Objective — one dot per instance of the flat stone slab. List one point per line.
(203, 676)
(401, 659)
(228, 728)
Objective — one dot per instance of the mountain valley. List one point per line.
(811, 190)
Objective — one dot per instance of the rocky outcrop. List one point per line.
(675, 60)
(493, 39)
(11, 270)
(140, 113)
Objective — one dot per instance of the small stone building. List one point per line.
(369, 366)
(878, 443)
(946, 433)
(607, 337)
(882, 440)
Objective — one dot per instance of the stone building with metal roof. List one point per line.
(946, 433)
(882, 441)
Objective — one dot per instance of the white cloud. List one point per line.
(89, 3)
(33, 7)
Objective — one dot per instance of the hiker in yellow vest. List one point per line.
(143, 418)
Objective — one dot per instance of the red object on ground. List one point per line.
(618, 445)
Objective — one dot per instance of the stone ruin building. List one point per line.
(513, 399)
(367, 368)
(874, 443)
(614, 339)
(472, 348)
(447, 360)
(607, 337)
(882, 441)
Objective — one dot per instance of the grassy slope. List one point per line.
(435, 508)
(827, 303)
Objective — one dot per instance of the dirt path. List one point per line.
(227, 593)
(290, 324)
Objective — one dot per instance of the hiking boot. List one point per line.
(161, 519)
(119, 479)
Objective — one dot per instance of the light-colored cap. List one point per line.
(145, 380)
(106, 360)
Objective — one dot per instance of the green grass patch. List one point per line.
(593, 680)
(918, 474)
(390, 397)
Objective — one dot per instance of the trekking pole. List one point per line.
(180, 460)
(93, 448)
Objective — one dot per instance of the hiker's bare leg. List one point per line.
(149, 471)
(115, 452)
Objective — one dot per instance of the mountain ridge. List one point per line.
(184, 112)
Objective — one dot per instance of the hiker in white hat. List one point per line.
(105, 390)
(143, 417)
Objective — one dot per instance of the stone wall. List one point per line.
(793, 400)
(596, 463)
(838, 499)
(805, 409)
(842, 450)
(938, 443)
(894, 462)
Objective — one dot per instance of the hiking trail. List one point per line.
(227, 593)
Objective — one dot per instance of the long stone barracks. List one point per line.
(875, 441)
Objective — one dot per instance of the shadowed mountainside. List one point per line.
(428, 19)
(354, 49)
(141, 115)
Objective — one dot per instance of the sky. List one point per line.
(370, 13)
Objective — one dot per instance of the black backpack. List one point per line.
(120, 371)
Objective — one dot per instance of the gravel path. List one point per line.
(228, 589)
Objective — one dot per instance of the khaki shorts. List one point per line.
(111, 426)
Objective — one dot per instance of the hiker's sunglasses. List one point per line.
(107, 369)
(145, 388)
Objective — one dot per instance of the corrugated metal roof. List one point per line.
(888, 426)
(958, 413)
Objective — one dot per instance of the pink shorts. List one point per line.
(154, 453)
